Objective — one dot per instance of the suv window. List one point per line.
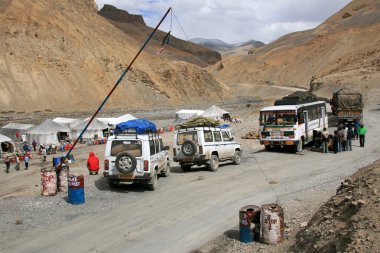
(217, 136)
(157, 144)
(208, 136)
(161, 145)
(181, 137)
(225, 136)
(152, 147)
(132, 146)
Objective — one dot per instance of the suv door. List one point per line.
(228, 145)
(218, 144)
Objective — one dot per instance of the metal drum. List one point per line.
(48, 182)
(249, 223)
(56, 161)
(76, 189)
(62, 178)
(272, 224)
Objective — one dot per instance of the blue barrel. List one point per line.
(75, 189)
(56, 161)
(249, 224)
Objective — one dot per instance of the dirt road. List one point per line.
(186, 211)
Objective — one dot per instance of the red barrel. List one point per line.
(48, 182)
(62, 178)
(272, 224)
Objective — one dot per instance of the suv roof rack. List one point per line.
(131, 131)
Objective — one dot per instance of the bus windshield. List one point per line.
(278, 118)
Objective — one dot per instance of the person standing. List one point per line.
(356, 128)
(93, 163)
(340, 135)
(344, 142)
(43, 153)
(362, 132)
(17, 162)
(34, 144)
(325, 140)
(26, 161)
(7, 163)
(350, 136)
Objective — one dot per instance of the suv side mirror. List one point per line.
(166, 148)
(232, 138)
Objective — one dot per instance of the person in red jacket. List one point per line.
(93, 163)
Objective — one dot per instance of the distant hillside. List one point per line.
(178, 49)
(63, 56)
(342, 51)
(221, 46)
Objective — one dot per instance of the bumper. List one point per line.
(189, 159)
(127, 177)
(279, 143)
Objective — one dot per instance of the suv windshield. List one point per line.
(277, 118)
(181, 137)
(131, 146)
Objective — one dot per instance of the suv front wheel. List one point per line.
(213, 163)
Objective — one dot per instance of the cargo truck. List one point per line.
(347, 106)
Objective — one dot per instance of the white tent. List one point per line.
(47, 132)
(214, 112)
(6, 144)
(115, 121)
(11, 129)
(71, 123)
(184, 115)
(95, 129)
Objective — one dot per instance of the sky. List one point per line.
(232, 21)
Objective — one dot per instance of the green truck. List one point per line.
(347, 105)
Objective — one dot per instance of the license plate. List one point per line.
(124, 177)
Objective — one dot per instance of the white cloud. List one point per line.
(233, 21)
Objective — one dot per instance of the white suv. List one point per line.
(205, 146)
(133, 158)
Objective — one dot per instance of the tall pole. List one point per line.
(114, 87)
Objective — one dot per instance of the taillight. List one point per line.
(106, 164)
(146, 165)
(174, 152)
(200, 149)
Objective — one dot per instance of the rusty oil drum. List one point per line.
(76, 189)
(249, 223)
(48, 182)
(272, 224)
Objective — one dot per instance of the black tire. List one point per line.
(112, 183)
(125, 162)
(213, 164)
(166, 171)
(186, 167)
(237, 158)
(152, 183)
(188, 148)
(267, 148)
(298, 147)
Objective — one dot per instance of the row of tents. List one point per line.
(214, 112)
(52, 130)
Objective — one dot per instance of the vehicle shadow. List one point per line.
(102, 185)
(177, 169)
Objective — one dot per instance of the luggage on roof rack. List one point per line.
(141, 126)
(198, 122)
(296, 98)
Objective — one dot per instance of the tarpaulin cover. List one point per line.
(139, 125)
(224, 126)
(199, 122)
(347, 99)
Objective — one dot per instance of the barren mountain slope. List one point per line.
(342, 51)
(62, 55)
(177, 50)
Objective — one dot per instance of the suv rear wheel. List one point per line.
(152, 183)
(186, 167)
(213, 163)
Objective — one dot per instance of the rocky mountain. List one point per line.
(342, 51)
(178, 49)
(64, 56)
(221, 46)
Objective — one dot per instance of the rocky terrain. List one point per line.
(64, 56)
